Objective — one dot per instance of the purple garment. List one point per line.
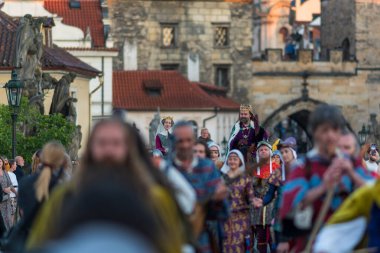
(159, 145)
(163, 143)
(238, 225)
(248, 146)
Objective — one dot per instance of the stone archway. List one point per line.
(288, 109)
(291, 119)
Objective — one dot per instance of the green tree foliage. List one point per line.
(33, 130)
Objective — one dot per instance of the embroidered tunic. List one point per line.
(238, 226)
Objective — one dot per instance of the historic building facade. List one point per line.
(271, 27)
(207, 41)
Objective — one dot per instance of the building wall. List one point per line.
(103, 61)
(269, 17)
(219, 127)
(276, 83)
(138, 23)
(305, 11)
(338, 19)
(367, 17)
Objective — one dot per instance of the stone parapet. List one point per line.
(274, 64)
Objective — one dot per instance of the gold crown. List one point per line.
(167, 117)
(244, 107)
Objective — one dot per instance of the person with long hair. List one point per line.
(34, 191)
(116, 147)
(5, 204)
(36, 161)
(238, 235)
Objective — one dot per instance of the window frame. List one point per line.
(222, 66)
(222, 25)
(169, 24)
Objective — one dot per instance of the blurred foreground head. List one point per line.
(115, 146)
(106, 216)
(326, 124)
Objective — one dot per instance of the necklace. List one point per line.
(245, 133)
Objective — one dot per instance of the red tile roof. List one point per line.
(88, 15)
(177, 93)
(54, 58)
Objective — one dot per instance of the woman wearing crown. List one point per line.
(163, 135)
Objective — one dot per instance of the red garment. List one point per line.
(265, 170)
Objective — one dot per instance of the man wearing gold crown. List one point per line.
(163, 135)
(246, 134)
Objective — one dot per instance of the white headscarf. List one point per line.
(213, 144)
(294, 153)
(225, 169)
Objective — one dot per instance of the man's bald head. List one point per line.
(348, 144)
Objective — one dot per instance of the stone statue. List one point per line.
(153, 125)
(62, 101)
(75, 144)
(28, 47)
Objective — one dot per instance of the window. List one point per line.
(170, 66)
(152, 87)
(169, 35)
(221, 37)
(74, 4)
(222, 75)
(154, 92)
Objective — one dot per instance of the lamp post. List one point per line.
(363, 134)
(14, 93)
(224, 143)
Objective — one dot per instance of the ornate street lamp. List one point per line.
(363, 134)
(14, 93)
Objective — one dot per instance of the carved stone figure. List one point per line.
(153, 125)
(28, 47)
(75, 144)
(62, 101)
(27, 59)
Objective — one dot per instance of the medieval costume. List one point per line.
(262, 217)
(246, 135)
(306, 175)
(205, 178)
(275, 182)
(163, 136)
(218, 163)
(355, 225)
(237, 229)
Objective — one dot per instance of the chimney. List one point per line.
(47, 31)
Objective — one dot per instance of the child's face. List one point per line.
(277, 159)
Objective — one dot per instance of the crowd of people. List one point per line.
(189, 195)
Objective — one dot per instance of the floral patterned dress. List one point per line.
(238, 226)
(5, 205)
